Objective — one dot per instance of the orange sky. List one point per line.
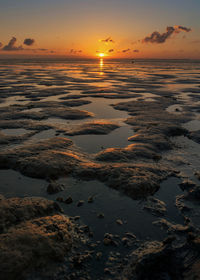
(117, 28)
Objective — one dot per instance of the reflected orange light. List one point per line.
(101, 64)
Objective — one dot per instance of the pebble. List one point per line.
(107, 241)
(119, 222)
(76, 218)
(131, 235)
(69, 200)
(100, 215)
(98, 255)
(90, 199)
(80, 203)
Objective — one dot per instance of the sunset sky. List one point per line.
(116, 28)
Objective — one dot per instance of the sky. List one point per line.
(89, 28)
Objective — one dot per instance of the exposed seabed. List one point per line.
(104, 162)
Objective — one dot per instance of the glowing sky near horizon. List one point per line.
(78, 27)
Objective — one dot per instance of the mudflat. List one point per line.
(99, 169)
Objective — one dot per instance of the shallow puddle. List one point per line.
(46, 134)
(168, 191)
(193, 125)
(111, 204)
(95, 143)
(14, 131)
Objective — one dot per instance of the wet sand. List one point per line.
(116, 147)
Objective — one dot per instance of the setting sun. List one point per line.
(101, 54)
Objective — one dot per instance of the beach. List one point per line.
(99, 168)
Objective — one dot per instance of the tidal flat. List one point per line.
(99, 169)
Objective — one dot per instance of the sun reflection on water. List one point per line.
(101, 64)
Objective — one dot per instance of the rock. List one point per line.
(69, 200)
(181, 205)
(54, 187)
(76, 218)
(119, 222)
(100, 215)
(125, 241)
(107, 241)
(80, 203)
(99, 255)
(90, 199)
(84, 228)
(155, 205)
(187, 184)
(171, 227)
(107, 271)
(130, 235)
(193, 193)
(197, 174)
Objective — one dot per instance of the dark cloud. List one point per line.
(126, 50)
(158, 38)
(182, 28)
(107, 40)
(1, 44)
(11, 46)
(111, 50)
(73, 51)
(136, 51)
(29, 42)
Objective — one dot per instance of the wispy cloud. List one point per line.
(11, 46)
(111, 50)
(126, 50)
(73, 51)
(136, 51)
(159, 38)
(107, 40)
(29, 42)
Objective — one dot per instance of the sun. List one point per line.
(101, 54)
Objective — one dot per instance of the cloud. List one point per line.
(1, 44)
(11, 46)
(29, 42)
(182, 28)
(73, 51)
(111, 50)
(136, 51)
(126, 50)
(107, 40)
(158, 38)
